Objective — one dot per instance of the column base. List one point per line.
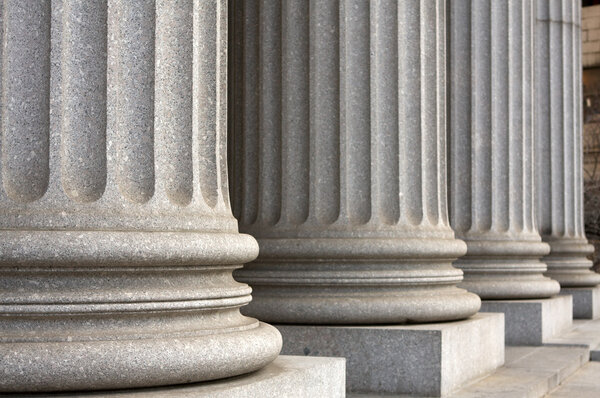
(533, 322)
(359, 280)
(586, 301)
(286, 376)
(506, 286)
(578, 278)
(427, 359)
(368, 305)
(568, 263)
(136, 362)
(99, 310)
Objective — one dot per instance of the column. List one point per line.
(491, 162)
(559, 168)
(339, 162)
(117, 242)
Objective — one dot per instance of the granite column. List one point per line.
(339, 162)
(491, 161)
(559, 168)
(491, 173)
(117, 242)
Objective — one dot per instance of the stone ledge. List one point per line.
(533, 322)
(287, 376)
(426, 359)
(586, 301)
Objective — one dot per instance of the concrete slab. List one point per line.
(287, 376)
(586, 301)
(425, 359)
(533, 322)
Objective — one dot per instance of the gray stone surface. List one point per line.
(528, 372)
(583, 384)
(533, 322)
(117, 242)
(559, 158)
(338, 162)
(584, 333)
(491, 162)
(429, 359)
(287, 376)
(586, 301)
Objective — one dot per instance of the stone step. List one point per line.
(585, 333)
(528, 372)
(585, 383)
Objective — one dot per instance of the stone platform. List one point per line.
(586, 301)
(533, 322)
(426, 359)
(287, 376)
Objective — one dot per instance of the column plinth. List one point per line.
(117, 242)
(491, 149)
(339, 169)
(559, 166)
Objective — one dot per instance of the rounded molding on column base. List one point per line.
(124, 248)
(136, 362)
(361, 305)
(569, 265)
(357, 281)
(504, 269)
(574, 278)
(92, 310)
(510, 286)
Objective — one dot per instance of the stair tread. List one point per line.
(528, 372)
(585, 383)
(583, 333)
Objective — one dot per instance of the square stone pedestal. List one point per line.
(586, 301)
(532, 322)
(425, 359)
(287, 376)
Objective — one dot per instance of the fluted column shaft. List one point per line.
(559, 168)
(117, 241)
(491, 148)
(339, 162)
